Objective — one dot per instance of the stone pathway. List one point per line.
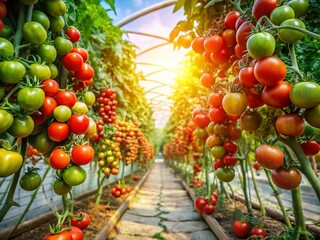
(162, 210)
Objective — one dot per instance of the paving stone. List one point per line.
(175, 203)
(189, 226)
(180, 216)
(173, 193)
(143, 212)
(143, 206)
(128, 237)
(146, 201)
(155, 197)
(198, 235)
(140, 219)
(133, 228)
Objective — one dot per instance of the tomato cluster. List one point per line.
(107, 105)
(242, 229)
(206, 205)
(119, 190)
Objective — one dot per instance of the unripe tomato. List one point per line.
(10, 162)
(34, 32)
(234, 104)
(30, 181)
(74, 175)
(291, 125)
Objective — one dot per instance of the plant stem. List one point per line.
(18, 36)
(122, 172)
(131, 170)
(300, 226)
(208, 185)
(294, 61)
(262, 208)
(244, 188)
(6, 191)
(2, 181)
(9, 202)
(276, 194)
(29, 204)
(100, 191)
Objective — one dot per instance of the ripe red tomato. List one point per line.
(83, 52)
(291, 125)
(217, 115)
(230, 146)
(72, 61)
(234, 131)
(73, 34)
(65, 235)
(66, 98)
(239, 22)
(269, 157)
(48, 106)
(231, 19)
(310, 148)
(199, 204)
(82, 154)
(202, 120)
(277, 96)
(229, 160)
(246, 77)
(197, 44)
(59, 159)
(241, 229)
(207, 80)
(213, 44)
(58, 131)
(218, 164)
(263, 8)
(229, 38)
(195, 112)
(250, 121)
(76, 233)
(79, 123)
(50, 87)
(81, 220)
(256, 231)
(270, 70)
(256, 166)
(208, 209)
(243, 34)
(85, 73)
(215, 99)
(286, 178)
(254, 99)
(222, 56)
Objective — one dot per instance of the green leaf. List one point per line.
(178, 5)
(212, 2)
(111, 4)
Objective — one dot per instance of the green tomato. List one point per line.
(6, 32)
(92, 130)
(56, 24)
(74, 175)
(218, 152)
(300, 7)
(62, 45)
(6, 120)
(10, 162)
(30, 181)
(6, 48)
(288, 35)
(41, 71)
(41, 18)
(54, 70)
(280, 14)
(47, 53)
(305, 94)
(22, 126)
(261, 45)
(62, 113)
(312, 116)
(55, 8)
(30, 98)
(34, 32)
(11, 71)
(43, 143)
(80, 108)
(60, 187)
(89, 98)
(28, 2)
(225, 174)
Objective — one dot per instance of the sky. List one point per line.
(158, 23)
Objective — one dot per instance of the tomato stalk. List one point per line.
(29, 205)
(294, 63)
(9, 202)
(100, 191)
(206, 166)
(244, 187)
(18, 36)
(5, 192)
(276, 195)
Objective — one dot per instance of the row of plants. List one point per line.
(257, 108)
(70, 97)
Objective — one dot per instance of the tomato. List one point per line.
(280, 14)
(62, 113)
(50, 87)
(305, 94)
(312, 116)
(79, 123)
(229, 160)
(30, 98)
(225, 174)
(217, 115)
(218, 152)
(30, 181)
(85, 73)
(48, 106)
(34, 32)
(254, 99)
(41, 71)
(250, 121)
(256, 166)
(202, 120)
(215, 99)
(310, 148)
(72, 61)
(270, 70)
(6, 47)
(234, 104)
(42, 142)
(243, 34)
(261, 45)
(58, 131)
(269, 157)
(246, 77)
(62, 45)
(230, 146)
(89, 98)
(55, 8)
(11, 71)
(80, 107)
(82, 154)
(41, 18)
(53, 70)
(263, 8)
(222, 56)
(231, 19)
(277, 96)
(199, 204)
(3, 10)
(22, 126)
(207, 80)
(198, 44)
(289, 35)
(47, 53)
(208, 209)
(74, 175)
(300, 7)
(6, 120)
(66, 98)
(256, 231)
(60, 187)
(234, 131)
(73, 34)
(229, 38)
(213, 140)
(286, 178)
(6, 32)
(65, 235)
(83, 52)
(10, 162)
(213, 44)
(241, 229)
(291, 125)
(76, 233)
(81, 220)
(56, 24)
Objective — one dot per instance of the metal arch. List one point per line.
(148, 35)
(158, 71)
(145, 11)
(152, 48)
(155, 81)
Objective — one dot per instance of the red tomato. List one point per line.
(213, 44)
(38, 118)
(48, 106)
(291, 125)
(58, 131)
(198, 44)
(83, 52)
(207, 56)
(202, 120)
(239, 22)
(250, 121)
(243, 34)
(286, 178)
(246, 77)
(215, 99)
(50, 87)
(199, 204)
(310, 148)
(208, 209)
(229, 38)
(218, 164)
(234, 131)
(79, 123)
(241, 229)
(277, 96)
(3, 10)
(82, 154)
(207, 80)
(222, 56)
(269, 157)
(72, 61)
(231, 19)
(256, 231)
(229, 160)
(263, 8)
(66, 98)
(256, 166)
(82, 223)
(76, 233)
(217, 115)
(254, 99)
(195, 112)
(59, 159)
(85, 73)
(270, 71)
(73, 34)
(60, 236)
(230, 146)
